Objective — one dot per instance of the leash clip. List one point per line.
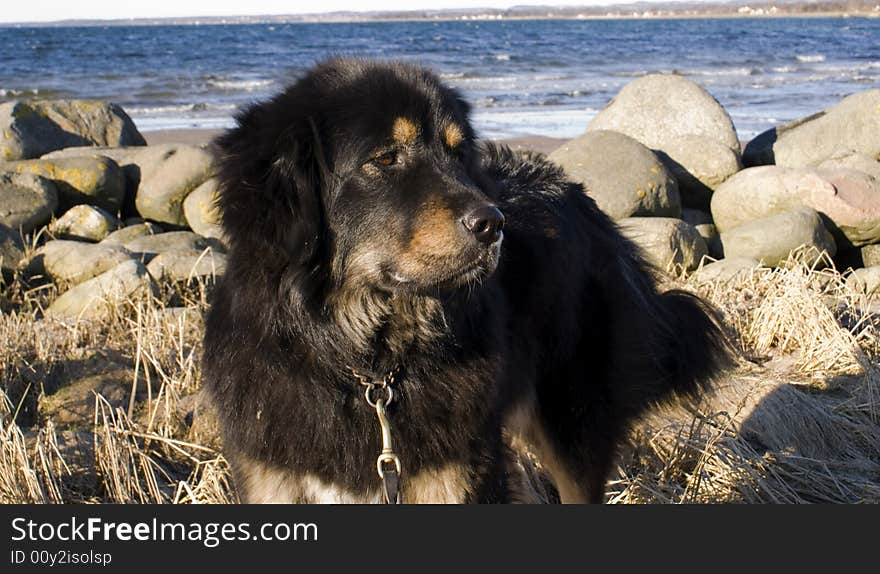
(388, 463)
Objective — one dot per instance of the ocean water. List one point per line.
(540, 77)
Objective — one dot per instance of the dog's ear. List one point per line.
(269, 175)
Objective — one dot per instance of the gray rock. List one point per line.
(853, 125)
(857, 161)
(131, 231)
(90, 180)
(725, 270)
(158, 177)
(669, 244)
(772, 239)
(850, 200)
(710, 235)
(624, 177)
(699, 164)
(72, 262)
(866, 280)
(11, 251)
(84, 223)
(98, 296)
(149, 246)
(186, 265)
(659, 108)
(871, 255)
(201, 211)
(26, 201)
(31, 129)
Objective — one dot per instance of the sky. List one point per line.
(48, 10)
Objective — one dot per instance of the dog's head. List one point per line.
(364, 174)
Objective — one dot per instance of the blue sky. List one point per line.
(48, 10)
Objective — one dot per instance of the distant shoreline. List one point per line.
(614, 12)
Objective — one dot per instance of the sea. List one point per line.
(523, 77)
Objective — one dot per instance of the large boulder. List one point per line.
(186, 265)
(847, 198)
(624, 177)
(669, 244)
(26, 201)
(772, 239)
(699, 164)
(689, 129)
(100, 295)
(159, 178)
(11, 251)
(72, 262)
(852, 126)
(90, 180)
(31, 129)
(148, 246)
(200, 210)
(84, 223)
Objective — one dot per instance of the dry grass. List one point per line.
(797, 421)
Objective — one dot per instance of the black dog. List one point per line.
(375, 245)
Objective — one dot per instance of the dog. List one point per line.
(382, 258)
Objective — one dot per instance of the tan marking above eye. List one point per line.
(453, 135)
(404, 131)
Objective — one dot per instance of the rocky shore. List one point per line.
(103, 215)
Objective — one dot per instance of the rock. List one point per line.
(871, 255)
(11, 251)
(130, 232)
(866, 280)
(709, 233)
(669, 244)
(31, 129)
(772, 239)
(852, 126)
(848, 199)
(26, 201)
(856, 161)
(74, 402)
(725, 270)
(623, 176)
(696, 216)
(98, 296)
(72, 262)
(201, 212)
(659, 108)
(149, 246)
(158, 177)
(84, 223)
(690, 131)
(186, 265)
(699, 164)
(91, 180)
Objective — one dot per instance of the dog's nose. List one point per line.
(485, 223)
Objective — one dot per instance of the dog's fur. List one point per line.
(342, 200)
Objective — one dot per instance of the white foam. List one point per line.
(810, 58)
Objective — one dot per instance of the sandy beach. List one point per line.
(541, 144)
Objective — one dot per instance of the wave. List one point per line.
(171, 109)
(810, 58)
(245, 85)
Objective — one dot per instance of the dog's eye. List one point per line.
(387, 159)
